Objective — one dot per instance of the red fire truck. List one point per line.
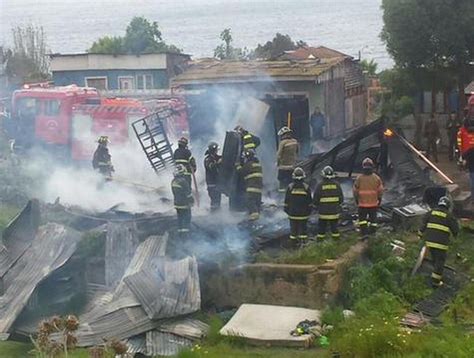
(68, 120)
(114, 118)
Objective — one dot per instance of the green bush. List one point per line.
(379, 305)
(332, 316)
(461, 310)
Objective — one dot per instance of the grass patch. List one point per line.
(10, 349)
(312, 254)
(7, 213)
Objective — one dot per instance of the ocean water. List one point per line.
(71, 26)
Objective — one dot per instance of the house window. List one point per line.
(99, 83)
(126, 82)
(144, 81)
(51, 107)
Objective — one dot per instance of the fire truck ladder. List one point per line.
(151, 134)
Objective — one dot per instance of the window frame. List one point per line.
(126, 77)
(86, 79)
(143, 78)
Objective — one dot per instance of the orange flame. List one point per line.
(388, 133)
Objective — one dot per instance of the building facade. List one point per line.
(118, 74)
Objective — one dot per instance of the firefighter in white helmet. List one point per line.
(287, 156)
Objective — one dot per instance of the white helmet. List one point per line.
(284, 130)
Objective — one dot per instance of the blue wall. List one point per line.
(64, 78)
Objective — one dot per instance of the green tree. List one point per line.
(369, 67)
(141, 37)
(433, 39)
(279, 44)
(225, 51)
(107, 44)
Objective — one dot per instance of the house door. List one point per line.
(126, 83)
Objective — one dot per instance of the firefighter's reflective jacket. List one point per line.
(328, 198)
(438, 227)
(287, 153)
(102, 159)
(250, 141)
(298, 201)
(251, 172)
(183, 156)
(183, 197)
(368, 189)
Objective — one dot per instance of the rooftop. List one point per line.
(308, 53)
(215, 71)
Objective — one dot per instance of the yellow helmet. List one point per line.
(103, 139)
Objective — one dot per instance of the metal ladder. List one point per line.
(151, 134)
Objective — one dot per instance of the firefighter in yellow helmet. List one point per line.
(102, 160)
(251, 171)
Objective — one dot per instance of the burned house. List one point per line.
(291, 89)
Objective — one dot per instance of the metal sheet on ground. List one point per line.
(266, 324)
(52, 248)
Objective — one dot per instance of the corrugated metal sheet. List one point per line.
(121, 243)
(123, 317)
(213, 71)
(52, 247)
(165, 344)
(186, 327)
(169, 289)
(18, 235)
(137, 344)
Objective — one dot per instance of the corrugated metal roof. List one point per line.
(165, 344)
(52, 247)
(214, 71)
(308, 52)
(169, 289)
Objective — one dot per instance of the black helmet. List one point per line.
(328, 172)
(445, 201)
(298, 174)
(213, 147)
(183, 141)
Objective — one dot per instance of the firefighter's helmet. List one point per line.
(239, 129)
(367, 163)
(445, 201)
(284, 130)
(213, 147)
(103, 139)
(180, 169)
(298, 174)
(183, 141)
(328, 172)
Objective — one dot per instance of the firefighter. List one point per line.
(212, 162)
(436, 231)
(298, 205)
(368, 189)
(251, 172)
(102, 160)
(432, 135)
(328, 198)
(249, 141)
(182, 155)
(287, 156)
(183, 198)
